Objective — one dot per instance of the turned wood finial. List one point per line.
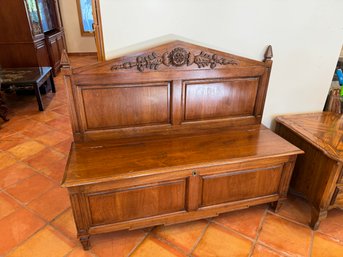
(268, 55)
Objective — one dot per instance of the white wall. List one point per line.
(75, 42)
(306, 36)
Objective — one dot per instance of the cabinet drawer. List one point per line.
(137, 202)
(240, 185)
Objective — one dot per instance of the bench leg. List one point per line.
(277, 205)
(85, 242)
(39, 98)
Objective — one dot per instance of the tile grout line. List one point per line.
(42, 193)
(34, 169)
(200, 237)
(259, 229)
(232, 230)
(27, 239)
(339, 241)
(311, 243)
(47, 223)
(169, 243)
(138, 244)
(44, 123)
(88, 251)
(283, 254)
(35, 172)
(288, 219)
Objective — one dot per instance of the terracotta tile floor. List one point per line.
(36, 219)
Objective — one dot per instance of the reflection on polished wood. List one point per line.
(163, 144)
(318, 173)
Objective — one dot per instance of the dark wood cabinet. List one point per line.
(55, 44)
(31, 34)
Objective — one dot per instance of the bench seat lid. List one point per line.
(96, 162)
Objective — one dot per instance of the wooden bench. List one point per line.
(169, 135)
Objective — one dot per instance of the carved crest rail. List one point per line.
(177, 57)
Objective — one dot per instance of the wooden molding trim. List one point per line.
(83, 54)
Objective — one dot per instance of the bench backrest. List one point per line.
(170, 88)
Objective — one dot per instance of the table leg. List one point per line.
(39, 97)
(52, 83)
(316, 217)
(277, 205)
(3, 112)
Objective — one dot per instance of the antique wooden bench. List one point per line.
(169, 135)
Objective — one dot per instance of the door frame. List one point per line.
(98, 33)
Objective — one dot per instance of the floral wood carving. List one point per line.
(177, 57)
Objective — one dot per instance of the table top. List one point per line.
(25, 75)
(324, 130)
(103, 161)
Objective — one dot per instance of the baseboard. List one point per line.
(83, 54)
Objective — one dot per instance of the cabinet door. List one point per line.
(56, 47)
(61, 43)
(35, 24)
(54, 52)
(240, 185)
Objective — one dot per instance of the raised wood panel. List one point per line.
(219, 99)
(56, 46)
(126, 105)
(61, 45)
(54, 51)
(208, 88)
(240, 185)
(137, 202)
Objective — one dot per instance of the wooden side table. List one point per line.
(317, 174)
(32, 76)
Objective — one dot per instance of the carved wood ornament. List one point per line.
(177, 57)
